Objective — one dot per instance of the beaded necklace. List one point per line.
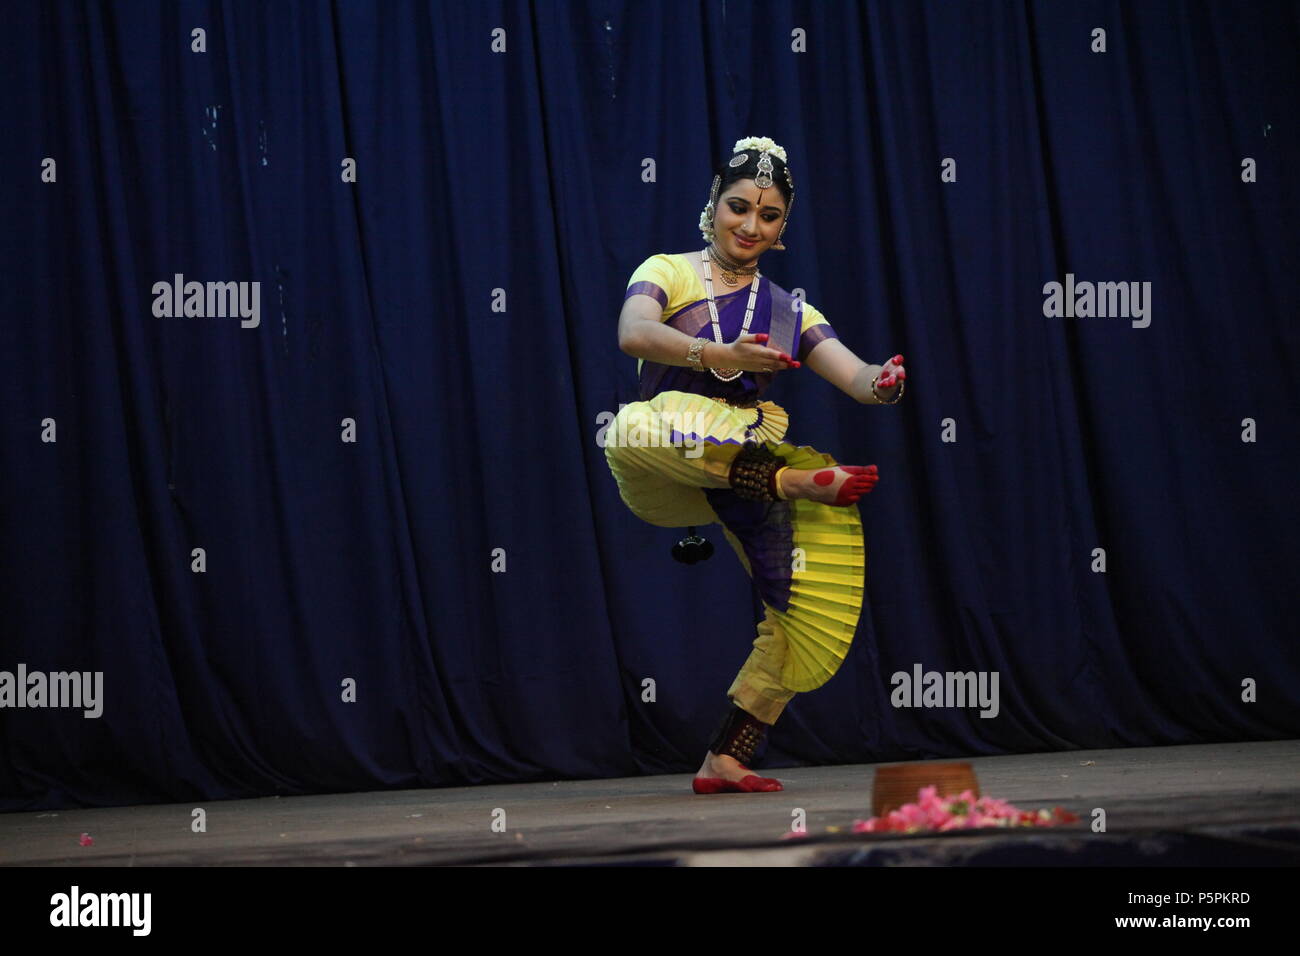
(727, 374)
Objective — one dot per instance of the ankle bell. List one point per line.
(753, 473)
(738, 735)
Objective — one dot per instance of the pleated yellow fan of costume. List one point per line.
(827, 590)
(774, 424)
(715, 422)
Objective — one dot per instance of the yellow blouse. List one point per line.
(674, 273)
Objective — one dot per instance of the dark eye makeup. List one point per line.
(740, 211)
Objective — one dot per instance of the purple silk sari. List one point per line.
(774, 313)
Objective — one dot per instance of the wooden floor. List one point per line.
(1218, 803)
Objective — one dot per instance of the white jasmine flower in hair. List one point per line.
(705, 228)
(763, 144)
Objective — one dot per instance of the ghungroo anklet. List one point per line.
(753, 473)
(738, 736)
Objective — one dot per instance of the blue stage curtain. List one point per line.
(458, 596)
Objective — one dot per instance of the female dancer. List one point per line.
(701, 447)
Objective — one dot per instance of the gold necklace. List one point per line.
(731, 269)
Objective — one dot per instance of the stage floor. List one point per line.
(1211, 804)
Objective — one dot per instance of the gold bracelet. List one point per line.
(776, 483)
(693, 353)
(897, 398)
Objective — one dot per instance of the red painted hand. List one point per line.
(892, 373)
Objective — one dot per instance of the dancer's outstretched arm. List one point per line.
(835, 362)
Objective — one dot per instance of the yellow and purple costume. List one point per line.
(671, 455)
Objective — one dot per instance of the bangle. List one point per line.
(897, 398)
(693, 354)
(775, 483)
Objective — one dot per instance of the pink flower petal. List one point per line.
(963, 811)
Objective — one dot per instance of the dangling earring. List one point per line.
(706, 217)
(779, 245)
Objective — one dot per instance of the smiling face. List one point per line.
(746, 212)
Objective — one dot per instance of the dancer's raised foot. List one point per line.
(838, 485)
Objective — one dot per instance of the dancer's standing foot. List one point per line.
(732, 771)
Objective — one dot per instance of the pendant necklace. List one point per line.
(727, 374)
